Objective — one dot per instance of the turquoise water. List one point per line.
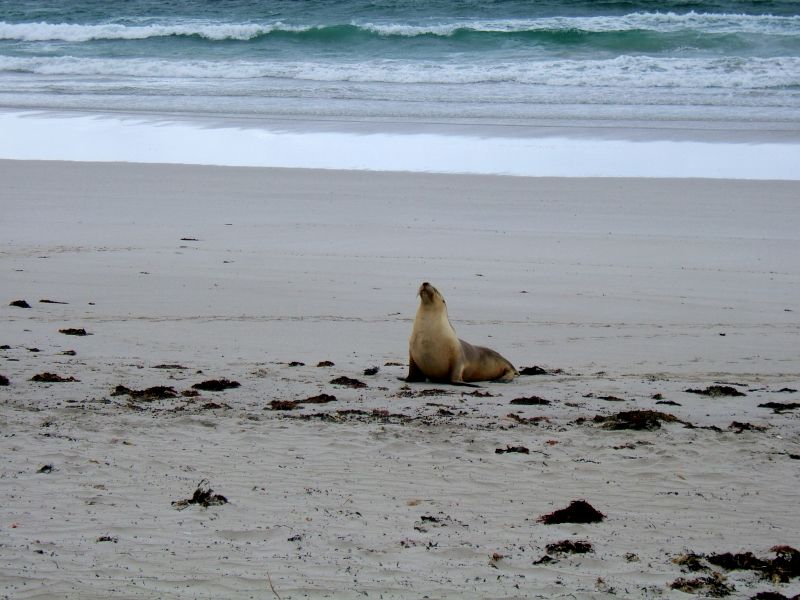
(503, 61)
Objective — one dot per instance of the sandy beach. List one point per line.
(625, 292)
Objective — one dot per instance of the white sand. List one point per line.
(634, 287)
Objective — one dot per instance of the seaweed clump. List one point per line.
(780, 407)
(292, 404)
(717, 391)
(349, 382)
(157, 392)
(216, 385)
(713, 586)
(570, 547)
(51, 378)
(203, 495)
(80, 332)
(531, 401)
(518, 449)
(781, 569)
(636, 419)
(578, 511)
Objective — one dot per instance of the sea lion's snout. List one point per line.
(426, 292)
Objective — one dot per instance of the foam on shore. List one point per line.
(115, 138)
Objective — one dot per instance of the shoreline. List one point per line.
(622, 128)
(533, 149)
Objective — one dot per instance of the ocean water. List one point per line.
(449, 61)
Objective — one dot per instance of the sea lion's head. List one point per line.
(430, 296)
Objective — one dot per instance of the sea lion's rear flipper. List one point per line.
(508, 376)
(457, 373)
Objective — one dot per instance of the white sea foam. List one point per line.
(654, 22)
(39, 32)
(642, 72)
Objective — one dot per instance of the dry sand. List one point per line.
(619, 288)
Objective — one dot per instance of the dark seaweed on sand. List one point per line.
(717, 391)
(745, 561)
(377, 415)
(407, 392)
(20, 304)
(216, 385)
(691, 562)
(635, 419)
(527, 420)
(610, 398)
(478, 394)
(51, 378)
(203, 495)
(107, 538)
(779, 407)
(713, 586)
(781, 569)
(283, 404)
(74, 331)
(292, 404)
(4, 380)
(214, 406)
(518, 449)
(531, 401)
(739, 427)
(570, 547)
(319, 399)
(158, 392)
(578, 511)
(774, 596)
(349, 382)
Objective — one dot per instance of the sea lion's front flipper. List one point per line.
(414, 372)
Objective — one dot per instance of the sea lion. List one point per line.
(436, 353)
